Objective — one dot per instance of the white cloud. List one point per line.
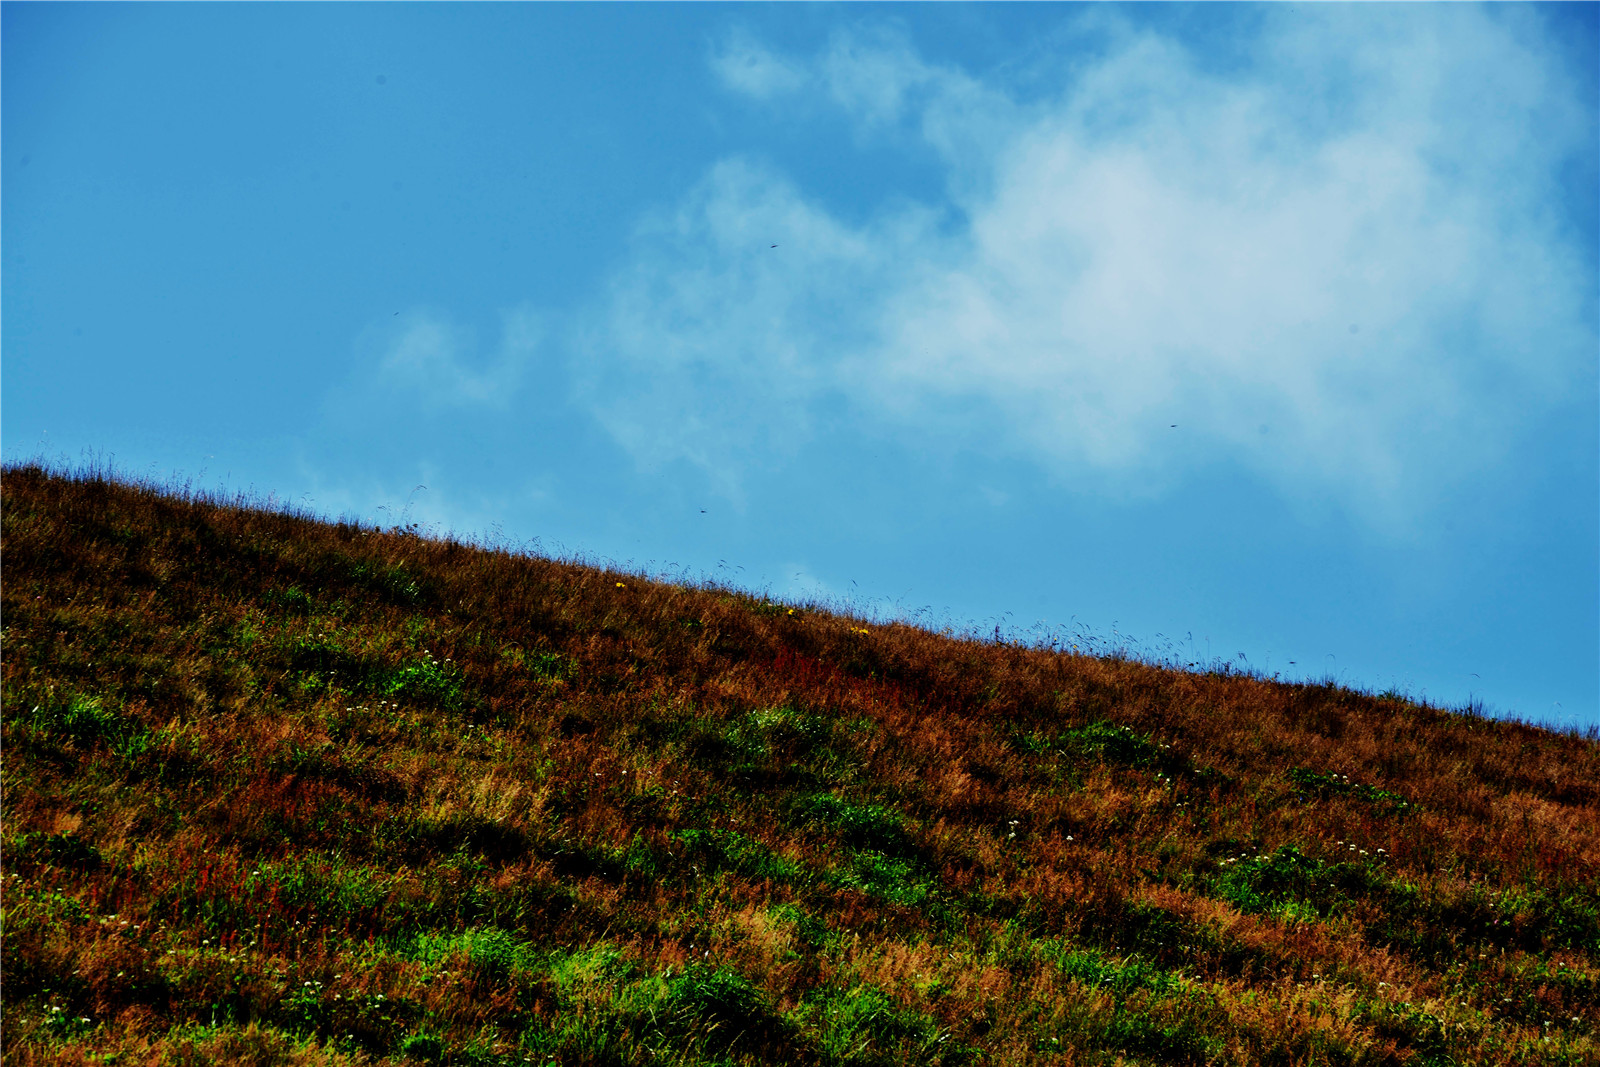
(1340, 268)
(732, 322)
(746, 67)
(429, 498)
(871, 74)
(425, 355)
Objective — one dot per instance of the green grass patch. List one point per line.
(862, 1026)
(715, 850)
(1293, 884)
(872, 827)
(1328, 784)
(279, 791)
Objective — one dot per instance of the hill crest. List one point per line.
(296, 791)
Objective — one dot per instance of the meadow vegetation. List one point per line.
(279, 790)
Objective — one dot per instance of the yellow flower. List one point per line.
(621, 586)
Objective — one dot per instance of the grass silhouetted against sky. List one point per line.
(1247, 329)
(282, 791)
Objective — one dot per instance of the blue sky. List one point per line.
(1260, 331)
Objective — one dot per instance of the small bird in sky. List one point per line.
(1174, 426)
(774, 246)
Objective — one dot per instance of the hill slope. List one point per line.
(285, 791)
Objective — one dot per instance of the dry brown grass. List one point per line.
(284, 752)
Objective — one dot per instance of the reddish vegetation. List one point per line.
(279, 789)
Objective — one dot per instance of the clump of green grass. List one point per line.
(863, 1026)
(1327, 784)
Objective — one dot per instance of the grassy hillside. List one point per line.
(278, 790)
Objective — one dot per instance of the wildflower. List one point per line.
(621, 586)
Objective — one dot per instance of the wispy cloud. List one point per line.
(802, 586)
(735, 317)
(745, 66)
(428, 498)
(1341, 267)
(437, 363)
